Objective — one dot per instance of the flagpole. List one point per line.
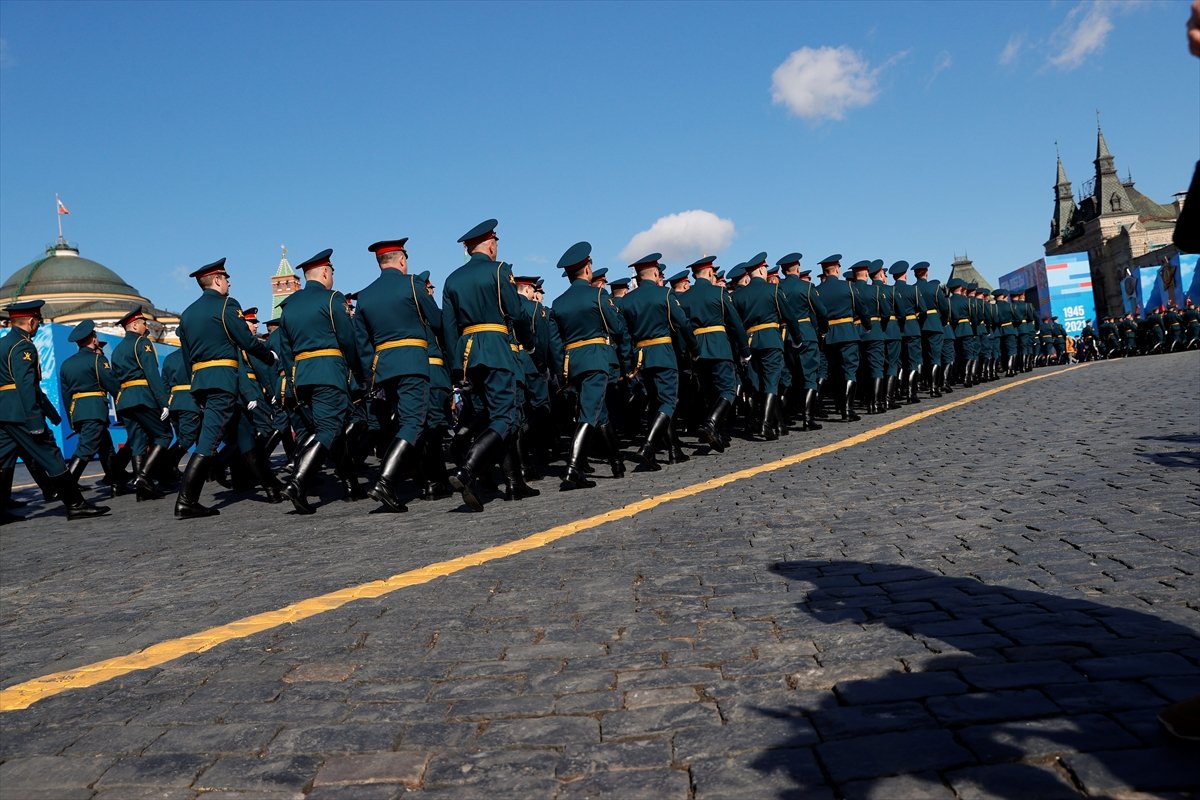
(57, 213)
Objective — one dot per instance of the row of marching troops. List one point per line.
(500, 377)
(1165, 329)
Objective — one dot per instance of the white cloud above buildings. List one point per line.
(817, 83)
(685, 236)
(1084, 32)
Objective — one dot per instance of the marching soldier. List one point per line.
(393, 315)
(142, 403)
(886, 397)
(435, 484)
(949, 343)
(654, 318)
(87, 381)
(963, 329)
(480, 313)
(1172, 325)
(842, 334)
(872, 347)
(766, 312)
(720, 337)
(23, 409)
(806, 300)
(1025, 315)
(319, 343)
(1190, 319)
(906, 304)
(213, 338)
(930, 306)
(1006, 324)
(547, 353)
(592, 331)
(185, 414)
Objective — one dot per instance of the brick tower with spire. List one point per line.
(283, 282)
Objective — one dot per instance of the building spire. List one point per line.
(1110, 194)
(1064, 202)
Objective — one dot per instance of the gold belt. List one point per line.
(437, 362)
(841, 320)
(907, 317)
(961, 321)
(81, 395)
(874, 319)
(181, 387)
(804, 319)
(763, 327)
(220, 362)
(1005, 324)
(401, 343)
(137, 382)
(487, 327)
(328, 351)
(583, 342)
(652, 342)
(8, 387)
(709, 329)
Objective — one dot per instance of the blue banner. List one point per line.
(1069, 286)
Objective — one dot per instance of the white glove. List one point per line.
(253, 404)
(274, 357)
(166, 412)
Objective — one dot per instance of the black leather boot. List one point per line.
(819, 403)
(969, 374)
(144, 485)
(433, 465)
(187, 502)
(76, 466)
(260, 470)
(769, 429)
(848, 412)
(613, 445)
(893, 392)
(913, 387)
(810, 420)
(49, 487)
(935, 380)
(120, 463)
(515, 487)
(676, 455)
(114, 478)
(646, 453)
(384, 490)
(478, 458)
(168, 465)
(575, 477)
(77, 507)
(6, 481)
(308, 461)
(527, 458)
(710, 431)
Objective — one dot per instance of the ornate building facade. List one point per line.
(283, 283)
(1114, 223)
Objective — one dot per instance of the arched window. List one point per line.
(1114, 202)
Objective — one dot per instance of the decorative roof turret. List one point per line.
(1110, 194)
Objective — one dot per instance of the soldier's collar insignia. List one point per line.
(27, 356)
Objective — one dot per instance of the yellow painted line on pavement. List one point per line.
(23, 695)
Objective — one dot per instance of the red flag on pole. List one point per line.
(61, 208)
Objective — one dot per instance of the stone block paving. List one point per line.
(992, 602)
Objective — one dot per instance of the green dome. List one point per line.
(73, 286)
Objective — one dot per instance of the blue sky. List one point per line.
(177, 133)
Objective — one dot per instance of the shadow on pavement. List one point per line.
(1021, 693)
(1175, 459)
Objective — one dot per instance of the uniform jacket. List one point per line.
(482, 292)
(891, 330)
(315, 321)
(709, 307)
(767, 308)
(135, 365)
(585, 314)
(212, 336)
(20, 376)
(960, 316)
(843, 309)
(654, 318)
(906, 306)
(932, 305)
(393, 314)
(178, 379)
(87, 372)
(806, 300)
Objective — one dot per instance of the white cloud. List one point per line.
(682, 237)
(824, 82)
(944, 62)
(1011, 50)
(1085, 31)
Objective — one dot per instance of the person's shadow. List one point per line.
(1186, 459)
(1013, 692)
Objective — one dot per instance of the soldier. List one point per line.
(872, 347)
(185, 414)
(1026, 328)
(888, 395)
(435, 485)
(480, 313)
(906, 305)
(619, 288)
(142, 403)
(1006, 332)
(591, 329)
(23, 409)
(654, 318)
(932, 330)
(1190, 320)
(964, 335)
(679, 282)
(766, 311)
(806, 300)
(319, 342)
(87, 381)
(720, 337)
(841, 334)
(272, 382)
(213, 338)
(1128, 329)
(539, 432)
(1172, 326)
(393, 320)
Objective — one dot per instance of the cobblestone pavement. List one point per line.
(994, 601)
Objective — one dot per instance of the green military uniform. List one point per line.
(438, 413)
(930, 308)
(720, 338)
(320, 345)
(842, 334)
(143, 394)
(891, 338)
(1006, 327)
(906, 306)
(962, 325)
(767, 312)
(482, 325)
(185, 414)
(1190, 319)
(86, 381)
(23, 410)
(589, 327)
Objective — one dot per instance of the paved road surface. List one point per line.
(992, 601)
